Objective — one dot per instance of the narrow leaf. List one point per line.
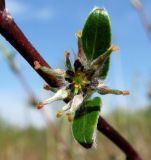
(85, 122)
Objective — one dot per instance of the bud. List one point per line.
(37, 65)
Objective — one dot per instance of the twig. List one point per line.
(17, 39)
(14, 36)
(116, 138)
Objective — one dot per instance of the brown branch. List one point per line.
(2, 4)
(17, 39)
(116, 138)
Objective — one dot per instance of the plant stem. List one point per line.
(2, 4)
(17, 39)
(116, 138)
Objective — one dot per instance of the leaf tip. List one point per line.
(87, 145)
(97, 9)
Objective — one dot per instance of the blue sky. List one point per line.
(51, 25)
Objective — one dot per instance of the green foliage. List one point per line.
(96, 40)
(85, 122)
(97, 36)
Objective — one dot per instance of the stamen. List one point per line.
(65, 108)
(70, 116)
(59, 113)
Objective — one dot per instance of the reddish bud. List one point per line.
(37, 65)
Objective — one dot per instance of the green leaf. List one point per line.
(97, 36)
(85, 122)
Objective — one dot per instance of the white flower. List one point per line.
(65, 108)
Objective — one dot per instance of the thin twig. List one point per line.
(17, 39)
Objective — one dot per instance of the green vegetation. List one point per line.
(40, 144)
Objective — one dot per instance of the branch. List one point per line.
(2, 5)
(116, 138)
(17, 39)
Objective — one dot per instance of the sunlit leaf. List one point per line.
(85, 122)
(96, 36)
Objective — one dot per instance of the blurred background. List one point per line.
(27, 133)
